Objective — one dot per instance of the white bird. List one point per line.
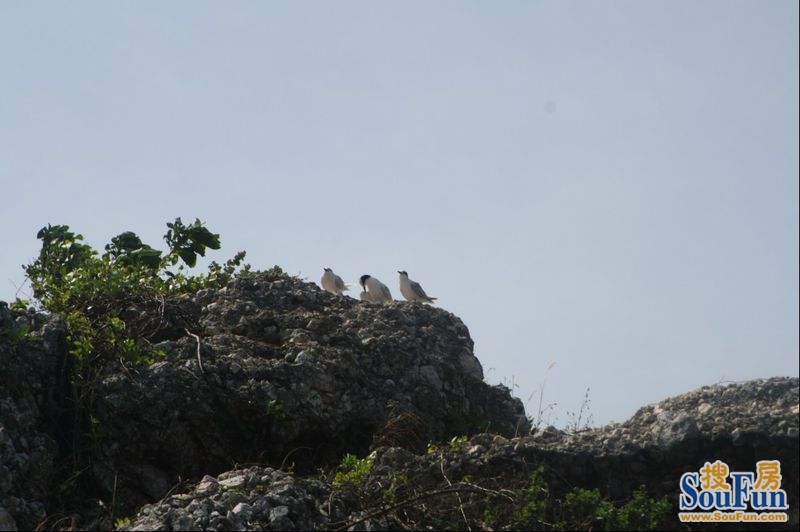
(364, 296)
(333, 283)
(412, 290)
(374, 290)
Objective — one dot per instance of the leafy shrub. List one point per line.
(93, 292)
(16, 335)
(113, 302)
(587, 509)
(642, 513)
(353, 470)
(531, 504)
(458, 443)
(536, 508)
(19, 304)
(398, 483)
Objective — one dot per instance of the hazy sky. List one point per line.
(609, 187)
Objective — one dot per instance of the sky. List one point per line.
(605, 192)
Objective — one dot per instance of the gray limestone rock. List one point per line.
(32, 347)
(648, 450)
(287, 370)
(297, 377)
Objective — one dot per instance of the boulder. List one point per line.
(257, 390)
(651, 450)
(32, 351)
(272, 369)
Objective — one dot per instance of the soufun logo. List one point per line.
(716, 487)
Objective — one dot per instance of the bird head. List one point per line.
(363, 279)
(403, 273)
(327, 269)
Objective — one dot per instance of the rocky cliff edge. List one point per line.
(268, 370)
(259, 389)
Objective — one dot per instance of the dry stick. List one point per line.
(330, 500)
(197, 338)
(434, 493)
(460, 502)
(162, 308)
(171, 490)
(41, 525)
(114, 498)
(509, 495)
(283, 462)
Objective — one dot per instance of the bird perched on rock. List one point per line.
(333, 283)
(374, 290)
(364, 296)
(412, 290)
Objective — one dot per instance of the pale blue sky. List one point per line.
(608, 186)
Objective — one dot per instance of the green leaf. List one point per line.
(188, 256)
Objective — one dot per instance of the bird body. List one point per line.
(333, 283)
(412, 290)
(374, 290)
(365, 296)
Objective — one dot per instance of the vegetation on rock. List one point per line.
(113, 306)
(300, 381)
(102, 296)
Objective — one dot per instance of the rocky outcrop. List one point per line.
(256, 498)
(738, 423)
(256, 391)
(32, 349)
(294, 375)
(269, 370)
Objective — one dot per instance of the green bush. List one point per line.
(16, 335)
(530, 507)
(458, 443)
(584, 509)
(536, 508)
(353, 470)
(113, 303)
(19, 304)
(642, 513)
(93, 292)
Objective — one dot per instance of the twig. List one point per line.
(503, 493)
(283, 462)
(199, 359)
(460, 502)
(55, 526)
(330, 500)
(171, 490)
(192, 373)
(114, 497)
(20, 287)
(435, 493)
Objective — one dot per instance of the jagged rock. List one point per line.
(256, 498)
(739, 423)
(271, 370)
(648, 450)
(31, 349)
(289, 371)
